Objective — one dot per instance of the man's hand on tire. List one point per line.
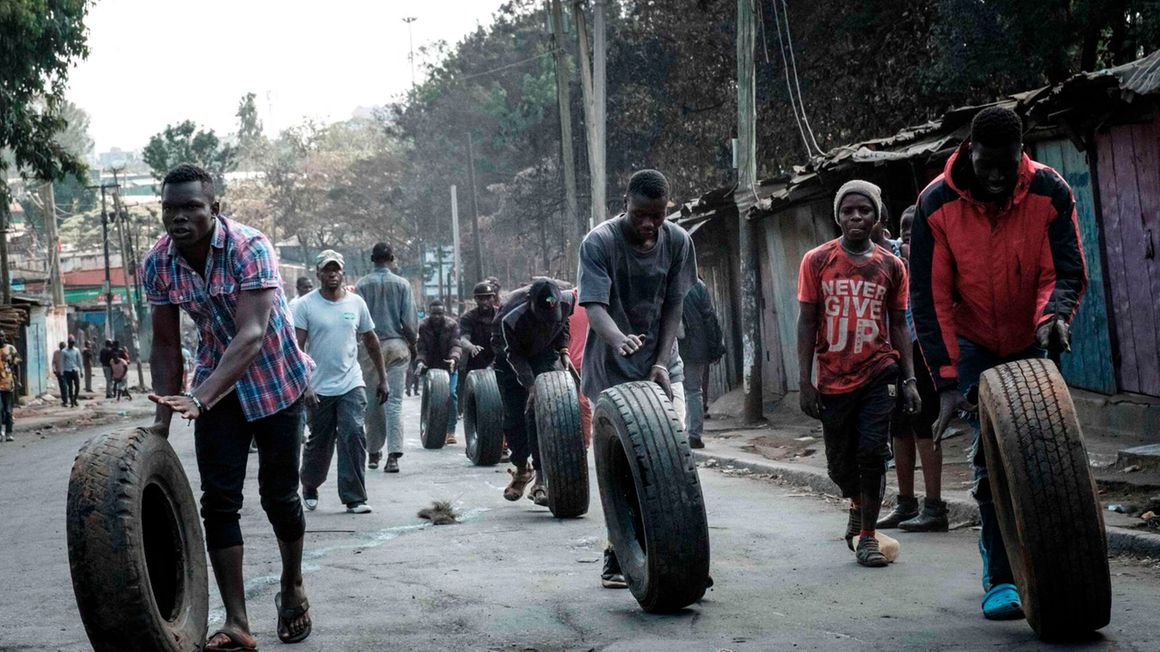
(1054, 335)
(950, 400)
(811, 400)
(420, 368)
(451, 365)
(660, 376)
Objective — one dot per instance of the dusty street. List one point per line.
(511, 577)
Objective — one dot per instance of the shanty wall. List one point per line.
(715, 260)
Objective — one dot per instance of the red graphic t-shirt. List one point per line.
(855, 298)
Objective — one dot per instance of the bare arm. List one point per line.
(165, 362)
(900, 338)
(606, 329)
(807, 335)
(670, 322)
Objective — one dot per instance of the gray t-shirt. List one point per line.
(332, 330)
(70, 359)
(635, 286)
(389, 299)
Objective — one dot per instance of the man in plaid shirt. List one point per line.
(248, 384)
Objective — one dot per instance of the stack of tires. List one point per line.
(651, 496)
(483, 418)
(1045, 498)
(435, 410)
(135, 546)
(563, 457)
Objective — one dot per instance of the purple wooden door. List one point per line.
(1129, 180)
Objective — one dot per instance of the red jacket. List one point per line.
(992, 275)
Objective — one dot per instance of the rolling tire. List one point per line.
(483, 418)
(435, 408)
(563, 457)
(651, 496)
(135, 546)
(1045, 498)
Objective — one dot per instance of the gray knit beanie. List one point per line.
(859, 187)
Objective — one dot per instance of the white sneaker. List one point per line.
(310, 503)
(358, 508)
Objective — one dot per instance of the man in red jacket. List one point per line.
(997, 273)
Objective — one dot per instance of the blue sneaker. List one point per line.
(1002, 603)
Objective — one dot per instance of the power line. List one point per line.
(788, 85)
(510, 65)
(793, 61)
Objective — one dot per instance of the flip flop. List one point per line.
(233, 646)
(1002, 603)
(289, 615)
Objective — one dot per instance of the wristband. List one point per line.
(661, 367)
(910, 380)
(196, 403)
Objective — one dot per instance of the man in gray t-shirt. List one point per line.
(332, 320)
(635, 270)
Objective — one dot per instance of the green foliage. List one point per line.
(185, 143)
(251, 141)
(39, 41)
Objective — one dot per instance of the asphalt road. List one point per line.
(511, 577)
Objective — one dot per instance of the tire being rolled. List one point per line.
(435, 408)
(483, 418)
(135, 546)
(651, 496)
(1045, 498)
(563, 457)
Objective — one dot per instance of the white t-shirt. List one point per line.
(332, 330)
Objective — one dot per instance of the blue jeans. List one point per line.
(973, 361)
(694, 406)
(453, 416)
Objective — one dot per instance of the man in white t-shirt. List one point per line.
(331, 320)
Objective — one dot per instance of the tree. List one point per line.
(185, 143)
(251, 141)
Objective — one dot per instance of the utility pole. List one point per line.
(5, 277)
(599, 97)
(108, 280)
(564, 102)
(747, 251)
(474, 210)
(456, 261)
(126, 262)
(48, 200)
(593, 126)
(411, 40)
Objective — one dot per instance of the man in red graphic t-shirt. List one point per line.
(853, 296)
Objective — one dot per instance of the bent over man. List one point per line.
(248, 385)
(529, 336)
(997, 274)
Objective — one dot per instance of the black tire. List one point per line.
(651, 496)
(436, 408)
(483, 418)
(563, 457)
(135, 546)
(1045, 498)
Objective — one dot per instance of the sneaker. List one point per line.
(506, 455)
(451, 440)
(373, 460)
(853, 526)
(392, 463)
(538, 494)
(611, 576)
(521, 476)
(310, 502)
(9, 437)
(695, 442)
(933, 518)
(869, 555)
(905, 509)
(358, 508)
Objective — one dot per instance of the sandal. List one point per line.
(1002, 603)
(234, 645)
(290, 614)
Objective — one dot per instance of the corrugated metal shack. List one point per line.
(1100, 130)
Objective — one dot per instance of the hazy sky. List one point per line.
(155, 62)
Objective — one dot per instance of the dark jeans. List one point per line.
(337, 422)
(973, 361)
(7, 402)
(856, 429)
(73, 382)
(519, 428)
(108, 380)
(63, 383)
(222, 439)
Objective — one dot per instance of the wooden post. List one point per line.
(599, 96)
(567, 156)
(5, 276)
(474, 212)
(596, 179)
(48, 199)
(747, 249)
(456, 261)
(126, 259)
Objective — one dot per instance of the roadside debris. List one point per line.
(440, 513)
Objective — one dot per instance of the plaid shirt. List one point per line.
(241, 258)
